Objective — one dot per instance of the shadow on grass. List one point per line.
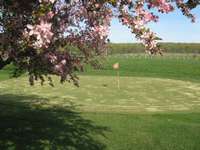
(23, 126)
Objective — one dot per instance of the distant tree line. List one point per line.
(121, 48)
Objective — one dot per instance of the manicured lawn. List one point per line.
(151, 131)
(146, 113)
(156, 108)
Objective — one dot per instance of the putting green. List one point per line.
(100, 94)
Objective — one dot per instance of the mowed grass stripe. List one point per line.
(100, 94)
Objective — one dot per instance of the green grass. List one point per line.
(170, 66)
(6, 72)
(156, 108)
(151, 132)
(173, 66)
(100, 94)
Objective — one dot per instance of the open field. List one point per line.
(156, 108)
(173, 66)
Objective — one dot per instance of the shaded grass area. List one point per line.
(173, 66)
(25, 127)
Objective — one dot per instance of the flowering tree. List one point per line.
(46, 37)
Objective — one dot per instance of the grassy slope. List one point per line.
(182, 67)
(146, 114)
(172, 66)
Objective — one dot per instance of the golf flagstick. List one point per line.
(118, 79)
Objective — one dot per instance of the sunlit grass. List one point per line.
(173, 66)
(100, 93)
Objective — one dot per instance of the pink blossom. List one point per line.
(162, 5)
(101, 30)
(125, 21)
(148, 17)
(63, 62)
(138, 23)
(50, 15)
(42, 32)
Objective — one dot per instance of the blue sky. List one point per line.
(173, 27)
